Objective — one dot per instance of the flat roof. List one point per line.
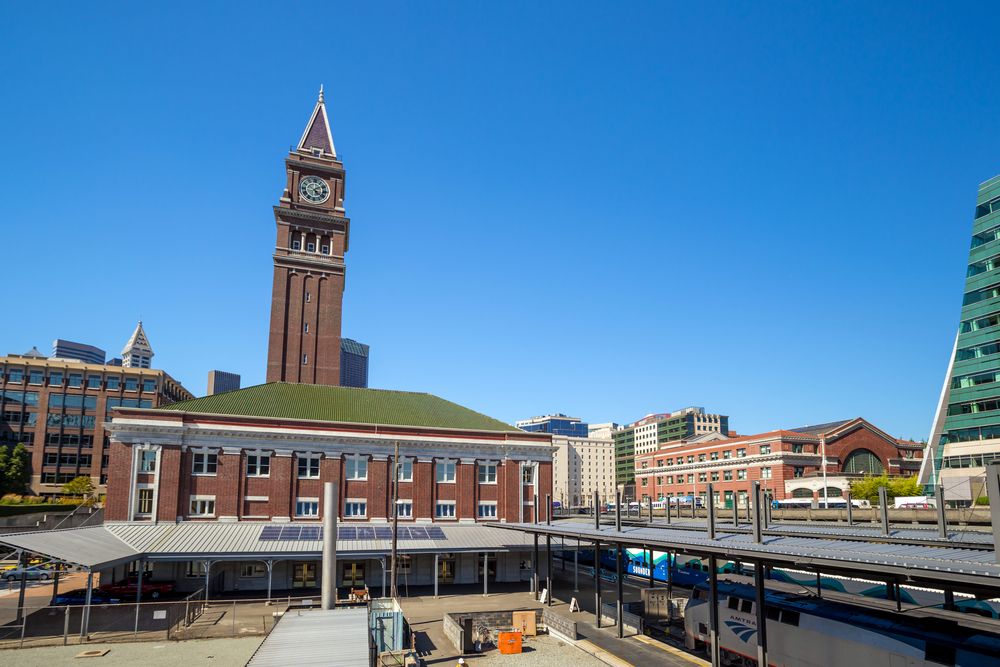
(327, 637)
(934, 566)
(110, 544)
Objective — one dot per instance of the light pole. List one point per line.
(822, 444)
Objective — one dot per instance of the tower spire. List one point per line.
(317, 133)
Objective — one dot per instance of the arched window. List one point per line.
(863, 461)
(833, 492)
(802, 493)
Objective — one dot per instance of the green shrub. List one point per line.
(983, 500)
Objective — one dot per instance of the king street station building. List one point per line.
(225, 491)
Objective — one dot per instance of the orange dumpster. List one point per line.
(509, 642)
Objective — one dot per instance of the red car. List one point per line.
(130, 586)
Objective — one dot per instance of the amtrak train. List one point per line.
(808, 632)
(689, 572)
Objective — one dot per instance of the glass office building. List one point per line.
(353, 363)
(965, 435)
(557, 424)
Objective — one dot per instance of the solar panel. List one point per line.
(290, 532)
(349, 533)
(311, 533)
(366, 533)
(270, 532)
(435, 533)
(418, 533)
(383, 533)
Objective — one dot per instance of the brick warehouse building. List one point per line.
(787, 463)
(58, 409)
(259, 456)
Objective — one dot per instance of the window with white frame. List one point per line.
(258, 465)
(404, 509)
(741, 473)
(148, 461)
(357, 466)
(251, 570)
(487, 473)
(144, 501)
(445, 509)
(307, 507)
(356, 508)
(204, 463)
(765, 473)
(528, 474)
(487, 510)
(202, 506)
(445, 471)
(405, 470)
(308, 467)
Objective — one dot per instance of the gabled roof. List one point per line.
(317, 132)
(137, 340)
(816, 429)
(344, 405)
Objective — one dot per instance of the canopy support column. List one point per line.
(713, 610)
(85, 620)
(758, 580)
(269, 564)
(437, 574)
(620, 607)
(534, 569)
(548, 569)
(597, 582)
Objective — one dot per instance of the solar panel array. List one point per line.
(350, 533)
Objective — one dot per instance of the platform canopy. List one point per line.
(94, 547)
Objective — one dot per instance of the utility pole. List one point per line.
(395, 519)
(822, 443)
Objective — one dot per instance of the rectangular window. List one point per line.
(765, 449)
(487, 510)
(445, 509)
(528, 474)
(727, 454)
(204, 464)
(114, 383)
(310, 247)
(144, 501)
(148, 461)
(405, 470)
(357, 466)
(445, 471)
(765, 473)
(202, 506)
(727, 475)
(702, 477)
(715, 477)
(741, 473)
(131, 383)
(691, 479)
(195, 568)
(258, 465)
(644, 481)
(326, 250)
(15, 375)
(55, 378)
(149, 386)
(487, 473)
(305, 359)
(404, 509)
(740, 453)
(296, 245)
(307, 507)
(701, 458)
(305, 327)
(355, 509)
(798, 471)
(75, 380)
(93, 382)
(714, 456)
(35, 377)
(252, 570)
(308, 467)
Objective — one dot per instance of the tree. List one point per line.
(18, 472)
(867, 488)
(4, 458)
(79, 486)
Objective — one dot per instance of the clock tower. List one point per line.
(313, 233)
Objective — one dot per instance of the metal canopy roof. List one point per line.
(332, 638)
(943, 566)
(111, 544)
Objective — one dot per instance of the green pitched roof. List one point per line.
(342, 404)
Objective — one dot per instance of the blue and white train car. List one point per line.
(810, 632)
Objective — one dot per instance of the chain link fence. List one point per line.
(189, 618)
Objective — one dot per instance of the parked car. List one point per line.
(30, 573)
(129, 587)
(79, 596)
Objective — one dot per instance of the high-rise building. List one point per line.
(651, 431)
(353, 363)
(58, 409)
(137, 352)
(557, 424)
(221, 381)
(67, 349)
(605, 431)
(965, 435)
(312, 238)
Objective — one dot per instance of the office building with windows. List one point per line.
(787, 463)
(965, 435)
(353, 363)
(58, 408)
(220, 381)
(647, 434)
(581, 466)
(557, 424)
(67, 349)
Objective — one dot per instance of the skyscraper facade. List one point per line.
(557, 424)
(221, 381)
(353, 363)
(312, 238)
(67, 349)
(965, 435)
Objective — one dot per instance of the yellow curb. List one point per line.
(672, 651)
(602, 655)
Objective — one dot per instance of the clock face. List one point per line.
(314, 189)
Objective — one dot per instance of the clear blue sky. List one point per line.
(590, 209)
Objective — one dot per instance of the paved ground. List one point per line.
(148, 654)
(541, 651)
